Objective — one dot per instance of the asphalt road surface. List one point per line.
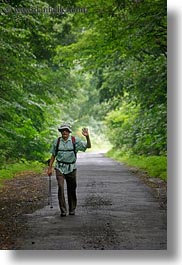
(115, 211)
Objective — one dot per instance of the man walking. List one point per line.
(64, 150)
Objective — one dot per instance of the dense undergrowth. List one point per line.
(154, 166)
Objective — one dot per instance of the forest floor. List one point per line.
(23, 195)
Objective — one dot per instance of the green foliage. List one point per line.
(142, 131)
(154, 166)
(14, 169)
(123, 47)
(31, 84)
(103, 68)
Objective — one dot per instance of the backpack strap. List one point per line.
(73, 142)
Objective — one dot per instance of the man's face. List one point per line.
(65, 133)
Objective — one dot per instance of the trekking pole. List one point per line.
(50, 194)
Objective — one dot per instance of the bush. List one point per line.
(140, 131)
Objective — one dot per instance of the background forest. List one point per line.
(98, 64)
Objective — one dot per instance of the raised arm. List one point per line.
(86, 134)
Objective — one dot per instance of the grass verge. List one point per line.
(154, 166)
(11, 170)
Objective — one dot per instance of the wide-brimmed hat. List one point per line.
(65, 126)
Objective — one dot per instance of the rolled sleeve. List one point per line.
(80, 145)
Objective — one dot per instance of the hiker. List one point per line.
(64, 150)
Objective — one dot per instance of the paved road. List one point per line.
(115, 211)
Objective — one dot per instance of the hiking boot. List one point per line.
(63, 214)
(72, 213)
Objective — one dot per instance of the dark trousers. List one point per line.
(71, 190)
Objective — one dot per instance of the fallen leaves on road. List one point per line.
(20, 195)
